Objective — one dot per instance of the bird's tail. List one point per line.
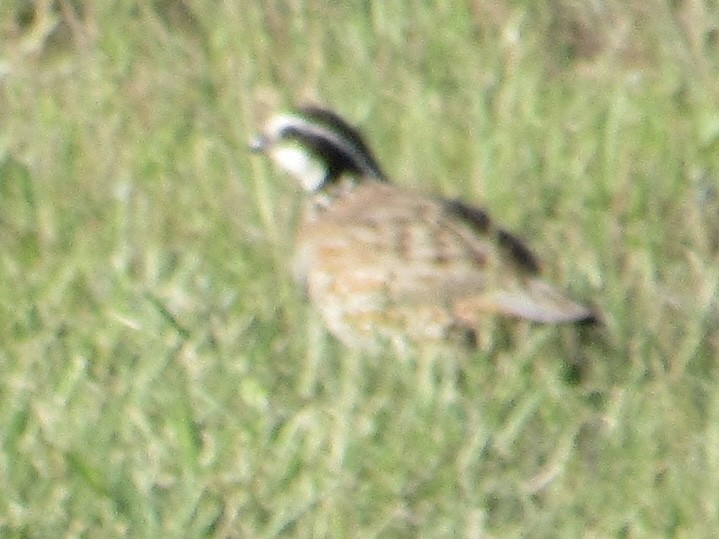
(535, 300)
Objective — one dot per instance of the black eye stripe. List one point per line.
(334, 122)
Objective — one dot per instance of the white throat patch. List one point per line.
(299, 163)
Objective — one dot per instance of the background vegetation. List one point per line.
(160, 375)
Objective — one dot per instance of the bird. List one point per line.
(389, 266)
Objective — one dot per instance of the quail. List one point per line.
(386, 265)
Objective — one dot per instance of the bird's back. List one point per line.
(386, 264)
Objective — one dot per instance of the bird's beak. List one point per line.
(259, 143)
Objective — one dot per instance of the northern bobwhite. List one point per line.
(387, 265)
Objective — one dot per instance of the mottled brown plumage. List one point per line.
(384, 264)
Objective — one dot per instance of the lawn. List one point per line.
(160, 372)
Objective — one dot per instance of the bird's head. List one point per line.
(317, 147)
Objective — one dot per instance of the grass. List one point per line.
(161, 376)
